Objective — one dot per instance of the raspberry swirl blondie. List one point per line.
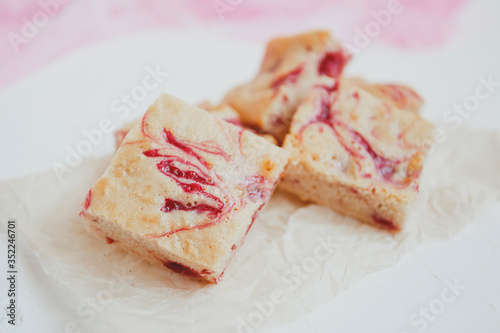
(291, 66)
(357, 154)
(184, 188)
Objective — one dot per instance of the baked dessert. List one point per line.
(400, 96)
(357, 154)
(291, 66)
(184, 188)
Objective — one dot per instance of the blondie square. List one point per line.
(291, 66)
(184, 188)
(357, 154)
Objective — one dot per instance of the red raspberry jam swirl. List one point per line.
(193, 175)
(287, 78)
(181, 161)
(258, 188)
(234, 121)
(86, 204)
(386, 167)
(332, 64)
(172, 205)
(385, 223)
(185, 270)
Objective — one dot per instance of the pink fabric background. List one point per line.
(421, 24)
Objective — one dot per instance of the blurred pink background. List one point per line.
(37, 32)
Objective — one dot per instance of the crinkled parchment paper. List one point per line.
(297, 255)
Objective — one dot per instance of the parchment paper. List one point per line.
(296, 257)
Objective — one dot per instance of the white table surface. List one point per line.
(46, 111)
